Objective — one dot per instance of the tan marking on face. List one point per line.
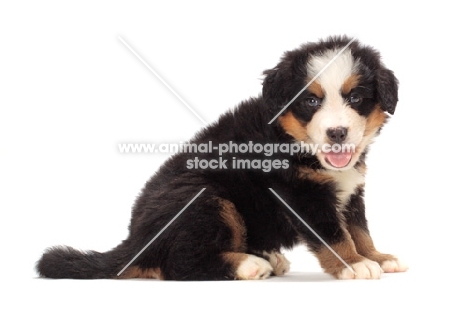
(234, 221)
(139, 273)
(316, 89)
(350, 83)
(335, 112)
(375, 121)
(293, 126)
(340, 76)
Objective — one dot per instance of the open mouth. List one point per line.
(338, 159)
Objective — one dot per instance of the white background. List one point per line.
(70, 91)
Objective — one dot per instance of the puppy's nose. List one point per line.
(337, 134)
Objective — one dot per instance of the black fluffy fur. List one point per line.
(190, 248)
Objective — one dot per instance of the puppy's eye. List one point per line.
(313, 101)
(355, 99)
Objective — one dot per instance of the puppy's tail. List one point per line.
(64, 262)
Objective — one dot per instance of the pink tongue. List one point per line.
(338, 159)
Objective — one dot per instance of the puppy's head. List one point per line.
(338, 99)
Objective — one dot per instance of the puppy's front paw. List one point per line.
(388, 263)
(365, 269)
(393, 265)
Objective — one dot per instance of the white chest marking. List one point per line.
(346, 182)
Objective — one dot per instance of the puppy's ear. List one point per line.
(284, 81)
(387, 90)
(274, 89)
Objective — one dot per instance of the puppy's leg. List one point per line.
(242, 266)
(338, 255)
(365, 247)
(210, 244)
(342, 261)
(345, 263)
(357, 226)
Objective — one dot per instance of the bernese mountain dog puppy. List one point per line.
(247, 205)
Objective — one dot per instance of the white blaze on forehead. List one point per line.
(335, 112)
(337, 72)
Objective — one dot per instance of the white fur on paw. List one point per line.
(365, 269)
(254, 268)
(394, 265)
(279, 262)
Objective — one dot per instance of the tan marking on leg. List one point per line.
(234, 221)
(293, 126)
(138, 273)
(363, 268)
(362, 240)
(350, 83)
(234, 259)
(365, 247)
(331, 264)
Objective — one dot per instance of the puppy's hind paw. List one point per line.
(254, 268)
(279, 262)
